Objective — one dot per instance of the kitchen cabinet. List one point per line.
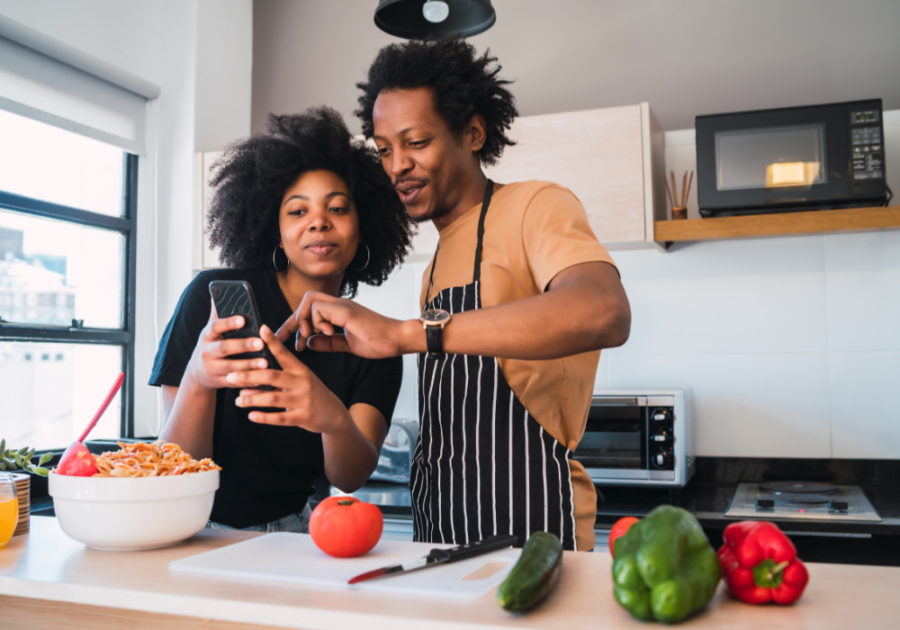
(48, 580)
(202, 256)
(612, 159)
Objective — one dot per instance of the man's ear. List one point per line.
(476, 133)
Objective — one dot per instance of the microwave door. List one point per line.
(775, 159)
(615, 441)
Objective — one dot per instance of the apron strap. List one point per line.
(476, 275)
(488, 191)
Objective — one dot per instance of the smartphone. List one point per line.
(235, 297)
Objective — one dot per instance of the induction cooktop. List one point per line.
(802, 500)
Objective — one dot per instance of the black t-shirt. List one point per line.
(267, 471)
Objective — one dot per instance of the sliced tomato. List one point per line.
(618, 530)
(345, 527)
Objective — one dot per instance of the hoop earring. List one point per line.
(277, 270)
(368, 257)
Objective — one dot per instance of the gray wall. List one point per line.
(685, 57)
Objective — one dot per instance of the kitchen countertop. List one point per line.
(709, 493)
(46, 576)
(708, 502)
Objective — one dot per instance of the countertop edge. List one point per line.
(222, 610)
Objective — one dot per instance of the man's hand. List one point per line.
(366, 333)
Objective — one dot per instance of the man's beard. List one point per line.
(430, 216)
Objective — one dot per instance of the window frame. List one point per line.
(124, 337)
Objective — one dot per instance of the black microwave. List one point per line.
(796, 158)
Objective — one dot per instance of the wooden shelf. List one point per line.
(814, 222)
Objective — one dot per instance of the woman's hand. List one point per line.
(306, 401)
(209, 364)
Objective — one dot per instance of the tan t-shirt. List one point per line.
(532, 232)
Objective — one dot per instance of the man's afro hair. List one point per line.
(463, 85)
(251, 177)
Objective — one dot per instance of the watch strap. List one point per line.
(434, 337)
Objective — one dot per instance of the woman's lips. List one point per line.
(321, 248)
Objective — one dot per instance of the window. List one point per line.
(67, 246)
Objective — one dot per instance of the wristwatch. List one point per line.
(434, 321)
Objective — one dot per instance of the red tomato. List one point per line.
(344, 527)
(618, 530)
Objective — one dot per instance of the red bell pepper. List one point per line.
(760, 564)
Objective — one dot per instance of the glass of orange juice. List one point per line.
(9, 508)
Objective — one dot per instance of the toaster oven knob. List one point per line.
(660, 437)
(661, 459)
(661, 415)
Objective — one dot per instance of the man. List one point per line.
(517, 303)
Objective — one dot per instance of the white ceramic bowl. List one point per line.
(130, 514)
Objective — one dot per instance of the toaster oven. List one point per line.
(639, 437)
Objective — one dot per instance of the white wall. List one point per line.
(166, 42)
(223, 74)
(791, 345)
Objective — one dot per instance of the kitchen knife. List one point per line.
(442, 556)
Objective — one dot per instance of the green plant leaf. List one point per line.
(2, 466)
(46, 457)
(29, 454)
(43, 472)
(3, 446)
(23, 450)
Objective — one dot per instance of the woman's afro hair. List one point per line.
(251, 177)
(462, 83)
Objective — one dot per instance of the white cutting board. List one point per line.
(294, 559)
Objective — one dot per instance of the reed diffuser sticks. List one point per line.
(679, 211)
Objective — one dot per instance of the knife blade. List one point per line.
(441, 556)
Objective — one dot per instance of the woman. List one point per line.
(300, 208)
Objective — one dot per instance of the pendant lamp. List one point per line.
(418, 19)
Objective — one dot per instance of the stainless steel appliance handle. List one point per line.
(609, 400)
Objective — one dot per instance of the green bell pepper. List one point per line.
(665, 568)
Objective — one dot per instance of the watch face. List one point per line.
(435, 316)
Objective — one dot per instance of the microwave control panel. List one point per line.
(866, 150)
(661, 442)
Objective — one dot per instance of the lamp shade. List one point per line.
(405, 18)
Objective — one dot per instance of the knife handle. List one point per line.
(464, 552)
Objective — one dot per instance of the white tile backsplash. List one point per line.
(749, 405)
(865, 413)
(762, 296)
(602, 378)
(862, 283)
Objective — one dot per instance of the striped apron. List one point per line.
(483, 465)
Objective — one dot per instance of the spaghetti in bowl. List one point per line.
(134, 512)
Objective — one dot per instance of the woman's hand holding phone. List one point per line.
(306, 401)
(210, 362)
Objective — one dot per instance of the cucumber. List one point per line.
(535, 574)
